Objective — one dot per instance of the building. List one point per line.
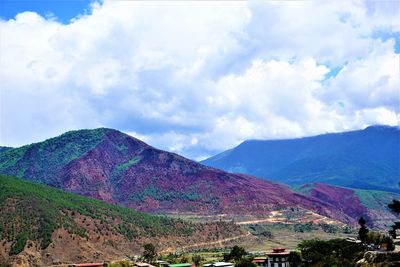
(219, 264)
(160, 263)
(261, 261)
(143, 264)
(278, 258)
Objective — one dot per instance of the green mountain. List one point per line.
(117, 168)
(45, 220)
(42, 161)
(365, 159)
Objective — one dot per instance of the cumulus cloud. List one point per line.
(197, 78)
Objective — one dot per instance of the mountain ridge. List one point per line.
(114, 167)
(335, 158)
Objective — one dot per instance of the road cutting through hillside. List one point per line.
(217, 242)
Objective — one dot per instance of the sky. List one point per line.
(197, 77)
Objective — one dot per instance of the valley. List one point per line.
(105, 194)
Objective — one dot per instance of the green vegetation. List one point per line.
(394, 207)
(156, 193)
(236, 254)
(30, 211)
(335, 252)
(260, 230)
(363, 232)
(127, 165)
(245, 262)
(63, 149)
(197, 259)
(372, 199)
(305, 227)
(149, 253)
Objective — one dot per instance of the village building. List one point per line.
(261, 261)
(219, 264)
(143, 264)
(278, 258)
(160, 263)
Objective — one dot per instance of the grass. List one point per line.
(285, 236)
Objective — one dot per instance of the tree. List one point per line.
(335, 252)
(363, 232)
(197, 259)
(245, 262)
(236, 254)
(149, 253)
(395, 206)
(184, 259)
(294, 258)
(389, 243)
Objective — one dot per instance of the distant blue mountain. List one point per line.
(366, 159)
(4, 148)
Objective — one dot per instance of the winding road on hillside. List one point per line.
(217, 242)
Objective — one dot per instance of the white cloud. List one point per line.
(200, 77)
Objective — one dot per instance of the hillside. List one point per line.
(370, 203)
(37, 222)
(364, 159)
(111, 166)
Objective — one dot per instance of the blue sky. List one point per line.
(61, 10)
(197, 78)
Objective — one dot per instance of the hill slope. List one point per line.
(112, 166)
(366, 159)
(41, 221)
(371, 204)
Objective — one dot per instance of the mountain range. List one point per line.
(364, 159)
(114, 167)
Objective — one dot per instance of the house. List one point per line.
(219, 264)
(162, 263)
(278, 258)
(261, 261)
(180, 265)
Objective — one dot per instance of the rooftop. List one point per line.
(219, 264)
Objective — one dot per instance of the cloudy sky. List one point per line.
(197, 77)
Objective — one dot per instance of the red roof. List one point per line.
(278, 252)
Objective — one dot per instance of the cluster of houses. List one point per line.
(279, 257)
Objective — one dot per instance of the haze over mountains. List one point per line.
(366, 159)
(111, 166)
